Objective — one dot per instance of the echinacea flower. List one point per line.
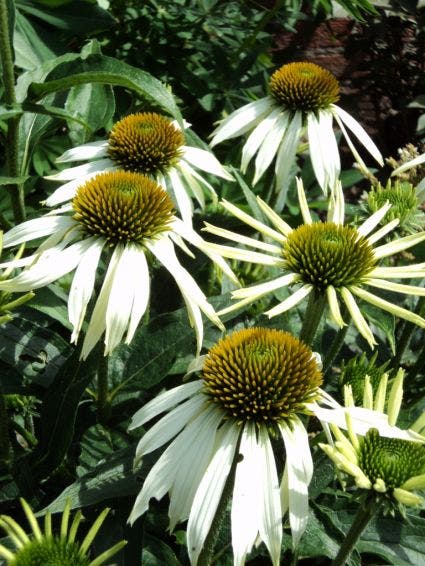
(325, 260)
(127, 219)
(302, 98)
(146, 143)
(392, 467)
(50, 549)
(254, 385)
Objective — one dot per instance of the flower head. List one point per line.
(302, 99)
(253, 384)
(49, 549)
(359, 371)
(147, 143)
(411, 168)
(127, 218)
(328, 259)
(404, 205)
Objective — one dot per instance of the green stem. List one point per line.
(206, 556)
(336, 346)
(406, 334)
(315, 309)
(16, 191)
(5, 447)
(361, 520)
(103, 400)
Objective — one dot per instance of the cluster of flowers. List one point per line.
(116, 212)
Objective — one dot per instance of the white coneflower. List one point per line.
(146, 143)
(46, 548)
(302, 98)
(325, 259)
(124, 216)
(254, 385)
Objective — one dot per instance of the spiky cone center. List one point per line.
(304, 86)
(325, 254)
(261, 375)
(50, 551)
(403, 200)
(145, 143)
(390, 459)
(122, 207)
(354, 374)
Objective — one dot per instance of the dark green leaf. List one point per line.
(106, 70)
(13, 180)
(382, 320)
(30, 49)
(157, 553)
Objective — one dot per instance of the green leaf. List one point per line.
(249, 195)
(157, 553)
(151, 355)
(75, 17)
(58, 414)
(106, 70)
(52, 301)
(10, 111)
(30, 49)
(383, 320)
(55, 112)
(113, 478)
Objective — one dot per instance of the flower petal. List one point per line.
(291, 301)
(82, 285)
(370, 224)
(257, 136)
(324, 153)
(358, 319)
(183, 200)
(396, 287)
(87, 151)
(409, 164)
(305, 211)
(399, 245)
(360, 133)
(299, 469)
(140, 273)
(256, 224)
(210, 490)
(247, 241)
(274, 218)
(163, 402)
(269, 146)
(246, 500)
(257, 291)
(37, 228)
(336, 211)
(242, 120)
(206, 161)
(285, 159)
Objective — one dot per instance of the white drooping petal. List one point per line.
(209, 492)
(271, 509)
(51, 265)
(291, 301)
(246, 499)
(386, 229)
(324, 153)
(184, 203)
(169, 426)
(299, 471)
(336, 211)
(257, 291)
(372, 222)
(84, 152)
(285, 159)
(362, 420)
(274, 218)
(195, 321)
(37, 228)
(192, 183)
(396, 287)
(97, 324)
(68, 190)
(334, 306)
(399, 245)
(82, 285)
(162, 475)
(193, 463)
(242, 120)
(409, 164)
(257, 137)
(163, 402)
(270, 145)
(256, 224)
(140, 272)
(390, 307)
(206, 161)
(360, 133)
(358, 319)
(81, 171)
(305, 211)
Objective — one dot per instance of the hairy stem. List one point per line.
(313, 315)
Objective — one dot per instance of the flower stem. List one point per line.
(361, 520)
(315, 309)
(336, 346)
(103, 400)
(16, 190)
(206, 556)
(406, 334)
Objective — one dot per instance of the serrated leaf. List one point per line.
(106, 70)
